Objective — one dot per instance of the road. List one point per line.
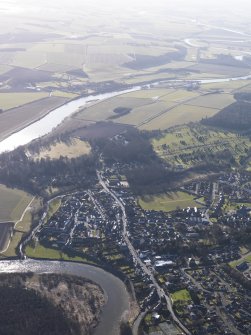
(134, 253)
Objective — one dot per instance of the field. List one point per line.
(16, 118)
(74, 149)
(104, 110)
(227, 71)
(217, 101)
(11, 100)
(12, 203)
(5, 234)
(73, 57)
(158, 108)
(190, 145)
(40, 251)
(228, 86)
(168, 202)
(177, 116)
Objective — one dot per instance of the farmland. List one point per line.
(159, 108)
(51, 61)
(11, 100)
(12, 203)
(167, 202)
(16, 118)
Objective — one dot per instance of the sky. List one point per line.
(211, 10)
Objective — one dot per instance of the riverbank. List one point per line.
(55, 117)
(78, 302)
(118, 300)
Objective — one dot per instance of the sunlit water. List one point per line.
(115, 291)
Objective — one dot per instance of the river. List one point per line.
(46, 124)
(118, 298)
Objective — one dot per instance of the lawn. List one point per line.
(167, 202)
(182, 295)
(245, 259)
(12, 203)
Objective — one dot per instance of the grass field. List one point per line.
(148, 94)
(74, 149)
(41, 252)
(182, 295)
(180, 95)
(103, 110)
(21, 228)
(53, 208)
(167, 202)
(144, 113)
(12, 203)
(158, 108)
(217, 101)
(179, 115)
(11, 100)
(63, 94)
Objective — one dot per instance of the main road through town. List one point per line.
(135, 255)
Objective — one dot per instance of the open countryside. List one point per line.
(125, 158)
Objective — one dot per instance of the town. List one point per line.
(188, 269)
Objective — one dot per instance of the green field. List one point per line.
(182, 295)
(167, 202)
(40, 251)
(12, 203)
